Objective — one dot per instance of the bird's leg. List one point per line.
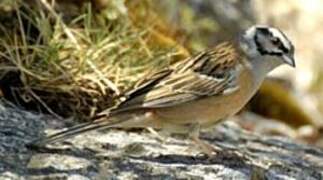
(161, 137)
(207, 148)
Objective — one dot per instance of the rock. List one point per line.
(136, 154)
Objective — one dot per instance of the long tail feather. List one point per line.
(100, 123)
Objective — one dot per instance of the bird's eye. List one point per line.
(276, 41)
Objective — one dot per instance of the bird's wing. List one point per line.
(208, 73)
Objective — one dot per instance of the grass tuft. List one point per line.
(77, 65)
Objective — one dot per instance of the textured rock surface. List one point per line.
(118, 154)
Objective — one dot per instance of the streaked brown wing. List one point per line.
(206, 74)
(147, 84)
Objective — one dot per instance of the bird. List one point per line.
(197, 92)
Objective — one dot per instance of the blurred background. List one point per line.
(75, 58)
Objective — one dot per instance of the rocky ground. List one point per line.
(119, 154)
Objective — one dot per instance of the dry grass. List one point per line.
(78, 66)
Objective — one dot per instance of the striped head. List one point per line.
(268, 42)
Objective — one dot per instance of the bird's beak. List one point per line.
(289, 59)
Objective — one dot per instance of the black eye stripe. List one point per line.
(274, 53)
(280, 45)
(263, 51)
(283, 48)
(259, 46)
(265, 31)
(275, 40)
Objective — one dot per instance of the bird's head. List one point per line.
(269, 43)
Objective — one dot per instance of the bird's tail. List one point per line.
(98, 124)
